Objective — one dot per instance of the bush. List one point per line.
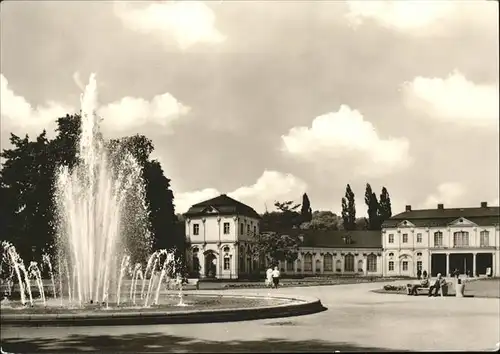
(393, 288)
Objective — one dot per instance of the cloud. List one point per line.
(133, 112)
(422, 18)
(18, 114)
(454, 100)
(345, 134)
(448, 193)
(125, 114)
(187, 22)
(268, 188)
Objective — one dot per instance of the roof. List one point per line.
(335, 239)
(482, 216)
(222, 205)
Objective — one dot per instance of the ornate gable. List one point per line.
(405, 223)
(210, 210)
(462, 222)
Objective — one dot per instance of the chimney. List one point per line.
(484, 204)
(440, 206)
(408, 208)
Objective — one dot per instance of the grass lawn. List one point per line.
(488, 288)
(309, 281)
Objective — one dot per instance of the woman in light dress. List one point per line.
(269, 276)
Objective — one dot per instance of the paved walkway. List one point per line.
(356, 320)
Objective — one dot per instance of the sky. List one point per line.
(266, 100)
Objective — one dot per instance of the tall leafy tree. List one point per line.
(349, 210)
(283, 219)
(26, 180)
(306, 211)
(277, 240)
(373, 209)
(27, 183)
(385, 209)
(323, 220)
(345, 214)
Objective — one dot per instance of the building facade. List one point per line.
(442, 240)
(219, 235)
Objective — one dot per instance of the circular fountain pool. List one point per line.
(196, 308)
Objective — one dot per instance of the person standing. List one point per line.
(276, 277)
(269, 276)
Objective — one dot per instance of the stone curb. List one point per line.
(300, 306)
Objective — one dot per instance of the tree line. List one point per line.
(27, 212)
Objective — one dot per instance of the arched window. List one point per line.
(227, 262)
(371, 263)
(461, 239)
(299, 265)
(338, 266)
(318, 266)
(485, 239)
(328, 263)
(360, 266)
(289, 265)
(308, 260)
(349, 263)
(419, 254)
(438, 239)
(391, 254)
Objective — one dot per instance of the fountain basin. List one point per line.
(231, 307)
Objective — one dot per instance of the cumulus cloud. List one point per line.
(187, 22)
(448, 193)
(268, 188)
(133, 112)
(454, 100)
(422, 18)
(19, 115)
(346, 134)
(128, 113)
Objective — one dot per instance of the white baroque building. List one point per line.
(219, 233)
(441, 240)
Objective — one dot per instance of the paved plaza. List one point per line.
(356, 320)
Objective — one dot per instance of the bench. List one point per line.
(193, 282)
(443, 291)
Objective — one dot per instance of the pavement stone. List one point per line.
(356, 320)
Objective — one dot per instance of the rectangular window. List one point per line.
(391, 266)
(438, 239)
(242, 230)
(308, 263)
(391, 238)
(349, 263)
(419, 265)
(405, 238)
(255, 230)
(485, 239)
(328, 263)
(248, 229)
(227, 263)
(419, 238)
(372, 263)
(289, 266)
(461, 239)
(196, 229)
(227, 228)
(405, 266)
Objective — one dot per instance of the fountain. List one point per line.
(101, 207)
